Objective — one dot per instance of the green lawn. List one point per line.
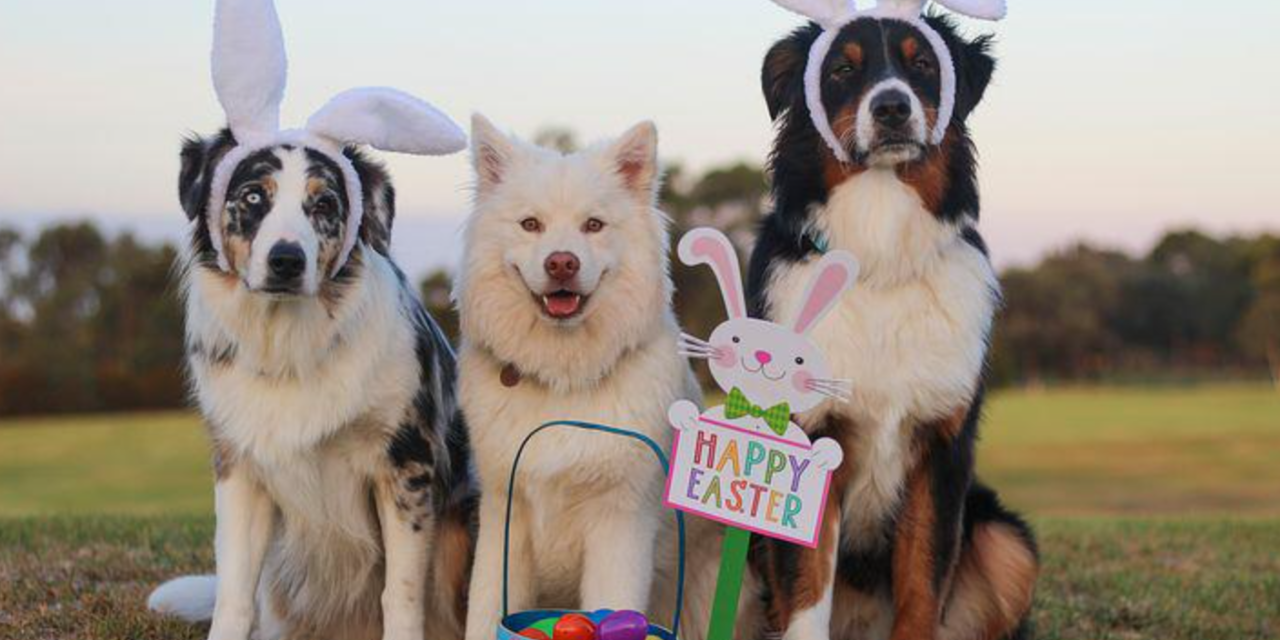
(1158, 512)
(1208, 450)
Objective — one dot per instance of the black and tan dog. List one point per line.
(914, 547)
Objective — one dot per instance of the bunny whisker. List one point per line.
(684, 337)
(697, 355)
(829, 390)
(830, 393)
(691, 337)
(839, 381)
(697, 347)
(828, 383)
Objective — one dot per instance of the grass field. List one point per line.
(1158, 511)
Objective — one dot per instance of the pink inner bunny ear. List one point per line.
(710, 247)
(836, 273)
(249, 65)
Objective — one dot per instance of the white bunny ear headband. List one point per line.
(249, 69)
(837, 271)
(834, 15)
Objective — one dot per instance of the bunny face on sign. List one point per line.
(249, 72)
(768, 362)
(834, 16)
(746, 463)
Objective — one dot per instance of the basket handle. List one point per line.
(590, 426)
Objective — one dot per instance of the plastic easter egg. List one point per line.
(599, 615)
(624, 625)
(534, 634)
(545, 626)
(574, 626)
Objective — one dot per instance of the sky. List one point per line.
(1110, 121)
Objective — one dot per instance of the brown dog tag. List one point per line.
(510, 376)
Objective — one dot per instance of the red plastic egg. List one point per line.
(534, 634)
(574, 626)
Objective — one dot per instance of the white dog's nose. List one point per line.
(562, 265)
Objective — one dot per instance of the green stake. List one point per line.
(733, 561)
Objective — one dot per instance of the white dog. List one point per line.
(565, 302)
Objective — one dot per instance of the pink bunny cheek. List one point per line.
(728, 357)
(800, 380)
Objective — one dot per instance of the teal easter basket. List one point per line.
(513, 623)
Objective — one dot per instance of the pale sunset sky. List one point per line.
(1108, 120)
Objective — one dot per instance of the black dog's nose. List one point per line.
(891, 108)
(287, 260)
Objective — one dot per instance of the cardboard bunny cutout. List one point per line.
(834, 15)
(769, 372)
(249, 70)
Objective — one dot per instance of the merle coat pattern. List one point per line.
(344, 491)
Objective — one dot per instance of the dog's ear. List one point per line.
(199, 157)
(782, 77)
(193, 188)
(491, 153)
(634, 157)
(379, 200)
(974, 68)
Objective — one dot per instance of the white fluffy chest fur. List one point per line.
(911, 336)
(571, 477)
(300, 372)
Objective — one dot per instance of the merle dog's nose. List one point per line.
(562, 265)
(286, 261)
(891, 108)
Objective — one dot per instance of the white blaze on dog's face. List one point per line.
(284, 220)
(562, 223)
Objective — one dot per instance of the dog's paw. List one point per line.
(826, 454)
(230, 629)
(683, 415)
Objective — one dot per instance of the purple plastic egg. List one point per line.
(623, 625)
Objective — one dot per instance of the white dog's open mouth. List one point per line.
(562, 304)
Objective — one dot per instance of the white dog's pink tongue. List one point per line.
(562, 305)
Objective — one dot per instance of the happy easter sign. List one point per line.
(761, 483)
(746, 463)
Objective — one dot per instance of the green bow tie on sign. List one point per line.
(778, 417)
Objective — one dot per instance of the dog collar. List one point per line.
(835, 15)
(249, 72)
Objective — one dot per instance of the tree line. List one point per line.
(90, 322)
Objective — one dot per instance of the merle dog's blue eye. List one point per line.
(253, 196)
